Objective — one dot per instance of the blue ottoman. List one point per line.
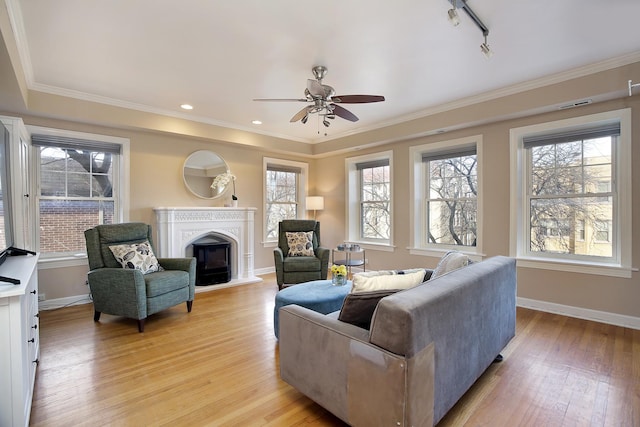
(318, 295)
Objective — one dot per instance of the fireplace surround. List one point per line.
(178, 228)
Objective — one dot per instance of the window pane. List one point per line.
(452, 223)
(578, 226)
(63, 222)
(375, 220)
(375, 195)
(451, 206)
(276, 212)
(79, 175)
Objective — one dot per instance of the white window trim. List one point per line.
(352, 205)
(122, 203)
(303, 185)
(621, 267)
(417, 181)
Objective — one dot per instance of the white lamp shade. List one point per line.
(315, 203)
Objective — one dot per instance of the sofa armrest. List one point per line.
(334, 364)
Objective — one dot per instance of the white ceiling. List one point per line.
(155, 55)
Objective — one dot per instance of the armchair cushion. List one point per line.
(300, 243)
(137, 256)
(301, 263)
(162, 282)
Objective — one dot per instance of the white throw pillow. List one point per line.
(387, 279)
(451, 261)
(300, 243)
(136, 256)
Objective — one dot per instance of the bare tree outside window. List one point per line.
(281, 199)
(375, 203)
(451, 203)
(571, 202)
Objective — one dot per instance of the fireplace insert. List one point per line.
(213, 262)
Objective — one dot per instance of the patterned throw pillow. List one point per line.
(300, 243)
(136, 256)
(387, 279)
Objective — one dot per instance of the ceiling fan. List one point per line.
(324, 101)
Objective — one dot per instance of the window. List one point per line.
(573, 179)
(79, 186)
(369, 199)
(285, 189)
(446, 196)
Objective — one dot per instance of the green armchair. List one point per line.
(298, 269)
(128, 292)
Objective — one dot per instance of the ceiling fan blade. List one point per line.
(344, 113)
(357, 99)
(299, 115)
(315, 88)
(282, 99)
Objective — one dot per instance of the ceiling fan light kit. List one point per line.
(454, 18)
(323, 100)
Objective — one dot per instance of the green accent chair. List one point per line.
(298, 269)
(127, 292)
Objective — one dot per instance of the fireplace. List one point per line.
(179, 228)
(213, 262)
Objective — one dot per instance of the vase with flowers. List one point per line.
(338, 275)
(220, 183)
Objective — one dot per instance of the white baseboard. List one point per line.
(52, 304)
(581, 313)
(261, 271)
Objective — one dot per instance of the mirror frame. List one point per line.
(208, 163)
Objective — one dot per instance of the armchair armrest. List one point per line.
(323, 255)
(278, 259)
(111, 286)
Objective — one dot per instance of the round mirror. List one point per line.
(206, 174)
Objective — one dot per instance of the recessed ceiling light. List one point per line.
(256, 122)
(186, 107)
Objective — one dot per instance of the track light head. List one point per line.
(485, 49)
(326, 123)
(453, 17)
(304, 119)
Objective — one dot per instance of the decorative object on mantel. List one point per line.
(222, 181)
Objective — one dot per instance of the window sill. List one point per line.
(269, 244)
(438, 253)
(611, 270)
(368, 246)
(62, 261)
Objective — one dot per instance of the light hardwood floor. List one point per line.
(218, 366)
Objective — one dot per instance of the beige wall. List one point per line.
(594, 292)
(156, 180)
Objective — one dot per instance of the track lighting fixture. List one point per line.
(453, 16)
(304, 119)
(455, 20)
(326, 123)
(485, 49)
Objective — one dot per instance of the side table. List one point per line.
(349, 261)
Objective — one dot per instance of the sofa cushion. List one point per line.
(136, 256)
(300, 243)
(358, 308)
(387, 279)
(450, 261)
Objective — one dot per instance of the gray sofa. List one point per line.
(426, 347)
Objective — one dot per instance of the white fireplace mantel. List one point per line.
(179, 227)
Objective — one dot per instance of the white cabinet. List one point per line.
(20, 154)
(19, 339)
